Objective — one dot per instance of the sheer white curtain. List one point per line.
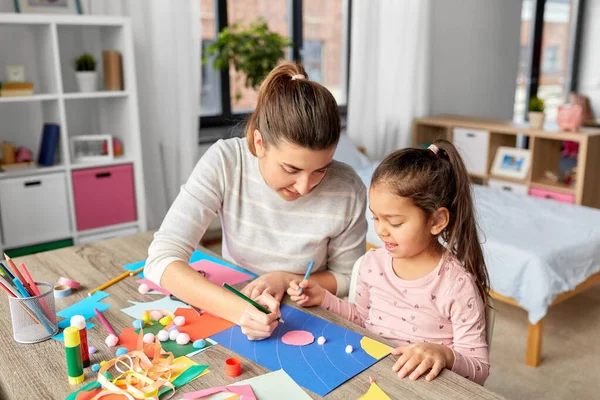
(167, 58)
(389, 72)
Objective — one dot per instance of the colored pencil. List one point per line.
(14, 293)
(18, 274)
(111, 282)
(7, 272)
(104, 322)
(36, 291)
(308, 271)
(249, 300)
(137, 271)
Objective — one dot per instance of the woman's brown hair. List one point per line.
(434, 178)
(292, 108)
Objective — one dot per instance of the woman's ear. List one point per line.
(259, 146)
(439, 220)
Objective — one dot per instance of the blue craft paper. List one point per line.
(83, 307)
(196, 256)
(318, 368)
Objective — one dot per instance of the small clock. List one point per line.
(15, 73)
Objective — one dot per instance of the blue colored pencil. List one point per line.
(32, 305)
(7, 272)
(308, 271)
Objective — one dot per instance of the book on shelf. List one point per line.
(12, 89)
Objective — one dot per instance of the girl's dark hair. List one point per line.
(291, 107)
(439, 179)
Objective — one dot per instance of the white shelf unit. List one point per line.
(47, 46)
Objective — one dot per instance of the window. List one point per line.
(549, 54)
(319, 30)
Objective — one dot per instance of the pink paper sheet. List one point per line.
(298, 338)
(216, 273)
(242, 390)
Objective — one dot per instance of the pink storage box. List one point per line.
(549, 194)
(104, 196)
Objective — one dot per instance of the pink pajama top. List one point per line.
(443, 307)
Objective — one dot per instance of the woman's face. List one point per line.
(290, 170)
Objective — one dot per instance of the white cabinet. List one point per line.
(473, 145)
(34, 209)
(508, 186)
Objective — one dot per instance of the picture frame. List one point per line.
(48, 6)
(92, 148)
(511, 162)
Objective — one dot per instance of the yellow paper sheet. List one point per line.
(374, 393)
(374, 348)
(187, 362)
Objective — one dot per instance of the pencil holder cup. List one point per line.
(34, 318)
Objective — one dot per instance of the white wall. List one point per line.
(7, 6)
(589, 58)
(475, 55)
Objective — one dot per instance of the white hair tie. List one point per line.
(299, 76)
(434, 148)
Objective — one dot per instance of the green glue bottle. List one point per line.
(73, 354)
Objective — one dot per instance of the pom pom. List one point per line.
(102, 363)
(321, 340)
(163, 336)
(199, 344)
(349, 349)
(183, 338)
(146, 318)
(96, 367)
(143, 288)
(148, 338)
(92, 350)
(111, 340)
(120, 351)
(173, 334)
(179, 321)
(173, 328)
(138, 324)
(164, 321)
(155, 315)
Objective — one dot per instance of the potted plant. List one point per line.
(536, 113)
(253, 51)
(85, 67)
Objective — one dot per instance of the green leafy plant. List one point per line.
(536, 104)
(252, 50)
(85, 62)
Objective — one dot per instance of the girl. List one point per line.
(427, 298)
(282, 201)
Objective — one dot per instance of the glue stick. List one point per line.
(73, 354)
(78, 321)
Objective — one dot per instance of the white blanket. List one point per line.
(535, 249)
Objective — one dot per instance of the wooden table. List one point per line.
(38, 371)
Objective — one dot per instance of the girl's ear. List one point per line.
(439, 220)
(259, 146)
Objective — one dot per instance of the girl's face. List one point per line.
(404, 227)
(292, 171)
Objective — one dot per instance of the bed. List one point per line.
(538, 252)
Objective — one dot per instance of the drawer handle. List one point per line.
(507, 188)
(471, 135)
(548, 196)
(33, 183)
(103, 175)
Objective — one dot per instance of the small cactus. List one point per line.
(536, 104)
(85, 62)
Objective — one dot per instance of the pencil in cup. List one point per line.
(36, 292)
(44, 325)
(32, 304)
(249, 300)
(116, 279)
(12, 291)
(308, 271)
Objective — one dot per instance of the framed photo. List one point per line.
(92, 148)
(15, 73)
(48, 6)
(511, 162)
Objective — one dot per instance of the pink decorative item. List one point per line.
(117, 147)
(23, 155)
(143, 288)
(570, 117)
(298, 338)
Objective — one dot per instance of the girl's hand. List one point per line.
(312, 293)
(274, 283)
(416, 359)
(257, 325)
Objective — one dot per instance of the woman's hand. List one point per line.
(257, 325)
(312, 293)
(416, 359)
(275, 283)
